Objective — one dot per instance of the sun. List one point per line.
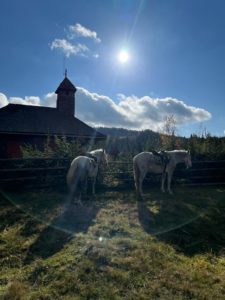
(123, 56)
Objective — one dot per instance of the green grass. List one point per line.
(113, 247)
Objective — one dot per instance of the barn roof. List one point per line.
(24, 119)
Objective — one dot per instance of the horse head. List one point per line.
(101, 156)
(93, 163)
(104, 158)
(92, 168)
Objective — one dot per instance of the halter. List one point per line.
(88, 154)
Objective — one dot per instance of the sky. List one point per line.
(134, 62)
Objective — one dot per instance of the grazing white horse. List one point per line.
(145, 162)
(80, 170)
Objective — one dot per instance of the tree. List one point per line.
(169, 130)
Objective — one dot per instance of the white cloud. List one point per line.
(3, 100)
(50, 99)
(133, 112)
(68, 48)
(31, 100)
(78, 30)
(130, 112)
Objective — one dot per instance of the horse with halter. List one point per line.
(84, 167)
(163, 162)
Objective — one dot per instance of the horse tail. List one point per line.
(70, 174)
(73, 177)
(136, 174)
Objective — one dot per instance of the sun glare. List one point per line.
(123, 56)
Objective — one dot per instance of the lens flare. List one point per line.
(123, 56)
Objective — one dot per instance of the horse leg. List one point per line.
(73, 190)
(75, 196)
(138, 179)
(78, 194)
(163, 182)
(137, 186)
(85, 186)
(169, 179)
(93, 185)
(141, 178)
(79, 200)
(138, 189)
(136, 176)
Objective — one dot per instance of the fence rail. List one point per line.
(50, 171)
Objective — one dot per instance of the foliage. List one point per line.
(207, 147)
(57, 147)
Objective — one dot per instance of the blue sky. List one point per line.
(176, 61)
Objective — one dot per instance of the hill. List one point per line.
(122, 132)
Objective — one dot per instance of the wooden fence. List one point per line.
(48, 171)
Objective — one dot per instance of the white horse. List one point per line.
(145, 162)
(84, 167)
(80, 170)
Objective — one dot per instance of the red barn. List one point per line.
(23, 124)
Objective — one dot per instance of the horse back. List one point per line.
(148, 162)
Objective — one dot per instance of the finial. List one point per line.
(65, 73)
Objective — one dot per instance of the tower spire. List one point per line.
(65, 73)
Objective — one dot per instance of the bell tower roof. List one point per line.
(66, 85)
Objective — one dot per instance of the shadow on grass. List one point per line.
(188, 227)
(76, 218)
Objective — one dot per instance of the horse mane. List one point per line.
(178, 151)
(97, 150)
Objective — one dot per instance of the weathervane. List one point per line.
(64, 67)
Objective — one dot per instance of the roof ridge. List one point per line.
(26, 105)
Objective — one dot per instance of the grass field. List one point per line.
(113, 247)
